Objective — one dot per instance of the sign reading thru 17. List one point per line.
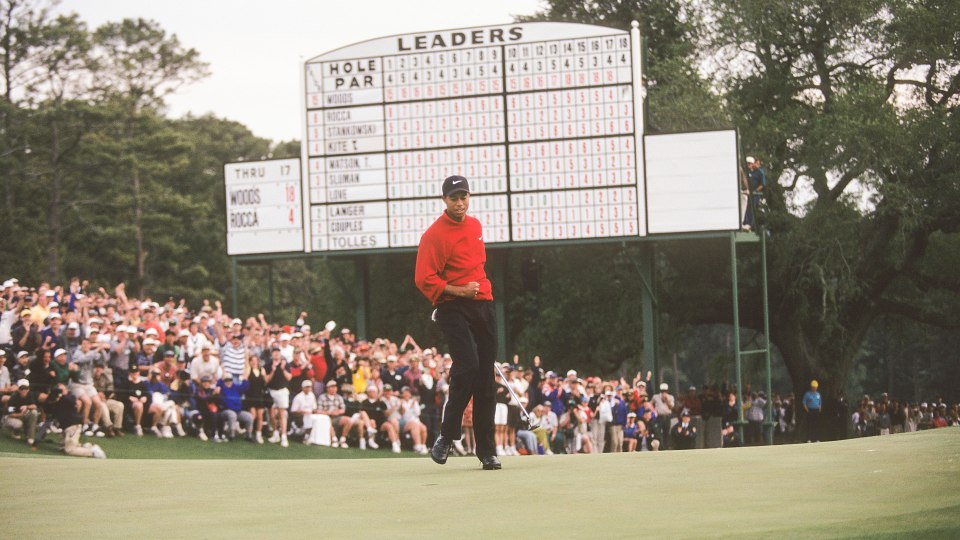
(263, 206)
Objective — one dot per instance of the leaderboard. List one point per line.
(540, 117)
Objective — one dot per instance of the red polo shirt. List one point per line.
(452, 252)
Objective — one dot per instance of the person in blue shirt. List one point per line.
(615, 429)
(558, 396)
(51, 335)
(630, 432)
(233, 418)
(812, 404)
(162, 409)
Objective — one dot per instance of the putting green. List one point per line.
(896, 486)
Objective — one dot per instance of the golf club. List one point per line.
(530, 423)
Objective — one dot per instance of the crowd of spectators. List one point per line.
(87, 362)
(886, 416)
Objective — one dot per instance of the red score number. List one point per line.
(291, 195)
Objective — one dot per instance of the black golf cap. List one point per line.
(454, 184)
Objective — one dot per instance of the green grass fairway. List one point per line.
(150, 447)
(902, 486)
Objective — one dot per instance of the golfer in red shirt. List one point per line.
(450, 274)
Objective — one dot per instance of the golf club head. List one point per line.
(530, 423)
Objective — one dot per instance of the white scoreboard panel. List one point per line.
(540, 117)
(692, 182)
(264, 207)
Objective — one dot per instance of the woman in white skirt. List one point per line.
(410, 420)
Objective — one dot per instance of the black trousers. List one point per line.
(813, 425)
(470, 329)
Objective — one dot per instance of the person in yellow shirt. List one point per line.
(41, 310)
(360, 376)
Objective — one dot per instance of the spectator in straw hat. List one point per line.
(333, 405)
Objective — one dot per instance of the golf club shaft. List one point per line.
(512, 393)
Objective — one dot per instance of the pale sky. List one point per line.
(254, 48)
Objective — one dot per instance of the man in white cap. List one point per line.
(756, 182)
(22, 413)
(333, 405)
(197, 339)
(303, 407)
(121, 352)
(664, 403)
(143, 360)
(233, 352)
(51, 335)
(70, 340)
(81, 363)
(25, 332)
(61, 366)
(182, 354)
(286, 349)
(205, 366)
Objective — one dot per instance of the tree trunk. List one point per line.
(806, 358)
(8, 201)
(138, 228)
(53, 210)
(137, 206)
(676, 376)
